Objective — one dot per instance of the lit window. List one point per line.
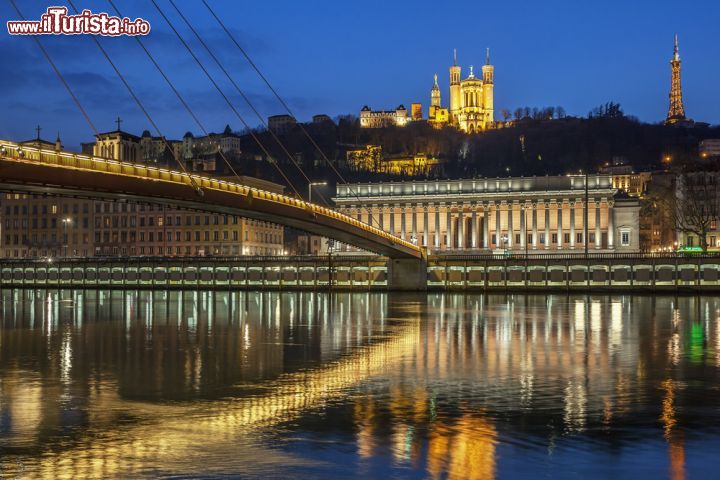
(625, 238)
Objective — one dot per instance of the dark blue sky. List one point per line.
(333, 57)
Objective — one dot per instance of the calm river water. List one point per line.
(308, 385)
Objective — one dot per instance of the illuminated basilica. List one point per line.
(470, 110)
(471, 99)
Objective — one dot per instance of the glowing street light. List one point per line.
(66, 221)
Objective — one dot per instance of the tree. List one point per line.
(696, 207)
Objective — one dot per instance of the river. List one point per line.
(119, 383)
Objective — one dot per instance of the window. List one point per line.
(579, 238)
(591, 237)
(542, 238)
(566, 238)
(517, 239)
(554, 238)
(625, 238)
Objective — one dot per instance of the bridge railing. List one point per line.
(38, 155)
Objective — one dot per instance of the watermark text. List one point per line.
(56, 21)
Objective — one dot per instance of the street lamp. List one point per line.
(66, 221)
(314, 184)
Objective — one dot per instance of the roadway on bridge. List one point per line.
(35, 170)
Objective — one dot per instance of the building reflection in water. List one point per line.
(112, 383)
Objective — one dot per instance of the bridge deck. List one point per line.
(38, 170)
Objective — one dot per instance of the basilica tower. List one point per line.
(435, 94)
(676, 112)
(455, 95)
(488, 72)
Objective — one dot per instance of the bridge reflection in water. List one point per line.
(109, 383)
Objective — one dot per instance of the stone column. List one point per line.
(498, 232)
(598, 237)
(523, 228)
(534, 226)
(511, 233)
(413, 225)
(403, 222)
(392, 219)
(611, 225)
(486, 225)
(448, 233)
(437, 226)
(426, 227)
(461, 227)
(473, 227)
(547, 226)
(559, 225)
(572, 224)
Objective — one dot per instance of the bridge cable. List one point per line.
(57, 72)
(289, 111)
(227, 100)
(177, 93)
(193, 183)
(245, 97)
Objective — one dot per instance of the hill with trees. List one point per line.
(535, 142)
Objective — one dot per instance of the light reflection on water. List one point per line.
(115, 383)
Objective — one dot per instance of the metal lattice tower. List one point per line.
(676, 112)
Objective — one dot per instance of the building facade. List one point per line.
(281, 124)
(197, 153)
(37, 226)
(709, 148)
(383, 118)
(372, 159)
(118, 145)
(534, 214)
(697, 201)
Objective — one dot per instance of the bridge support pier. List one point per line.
(407, 274)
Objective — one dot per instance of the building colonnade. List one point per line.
(537, 224)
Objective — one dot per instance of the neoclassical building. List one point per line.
(533, 214)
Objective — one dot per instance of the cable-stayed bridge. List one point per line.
(37, 170)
